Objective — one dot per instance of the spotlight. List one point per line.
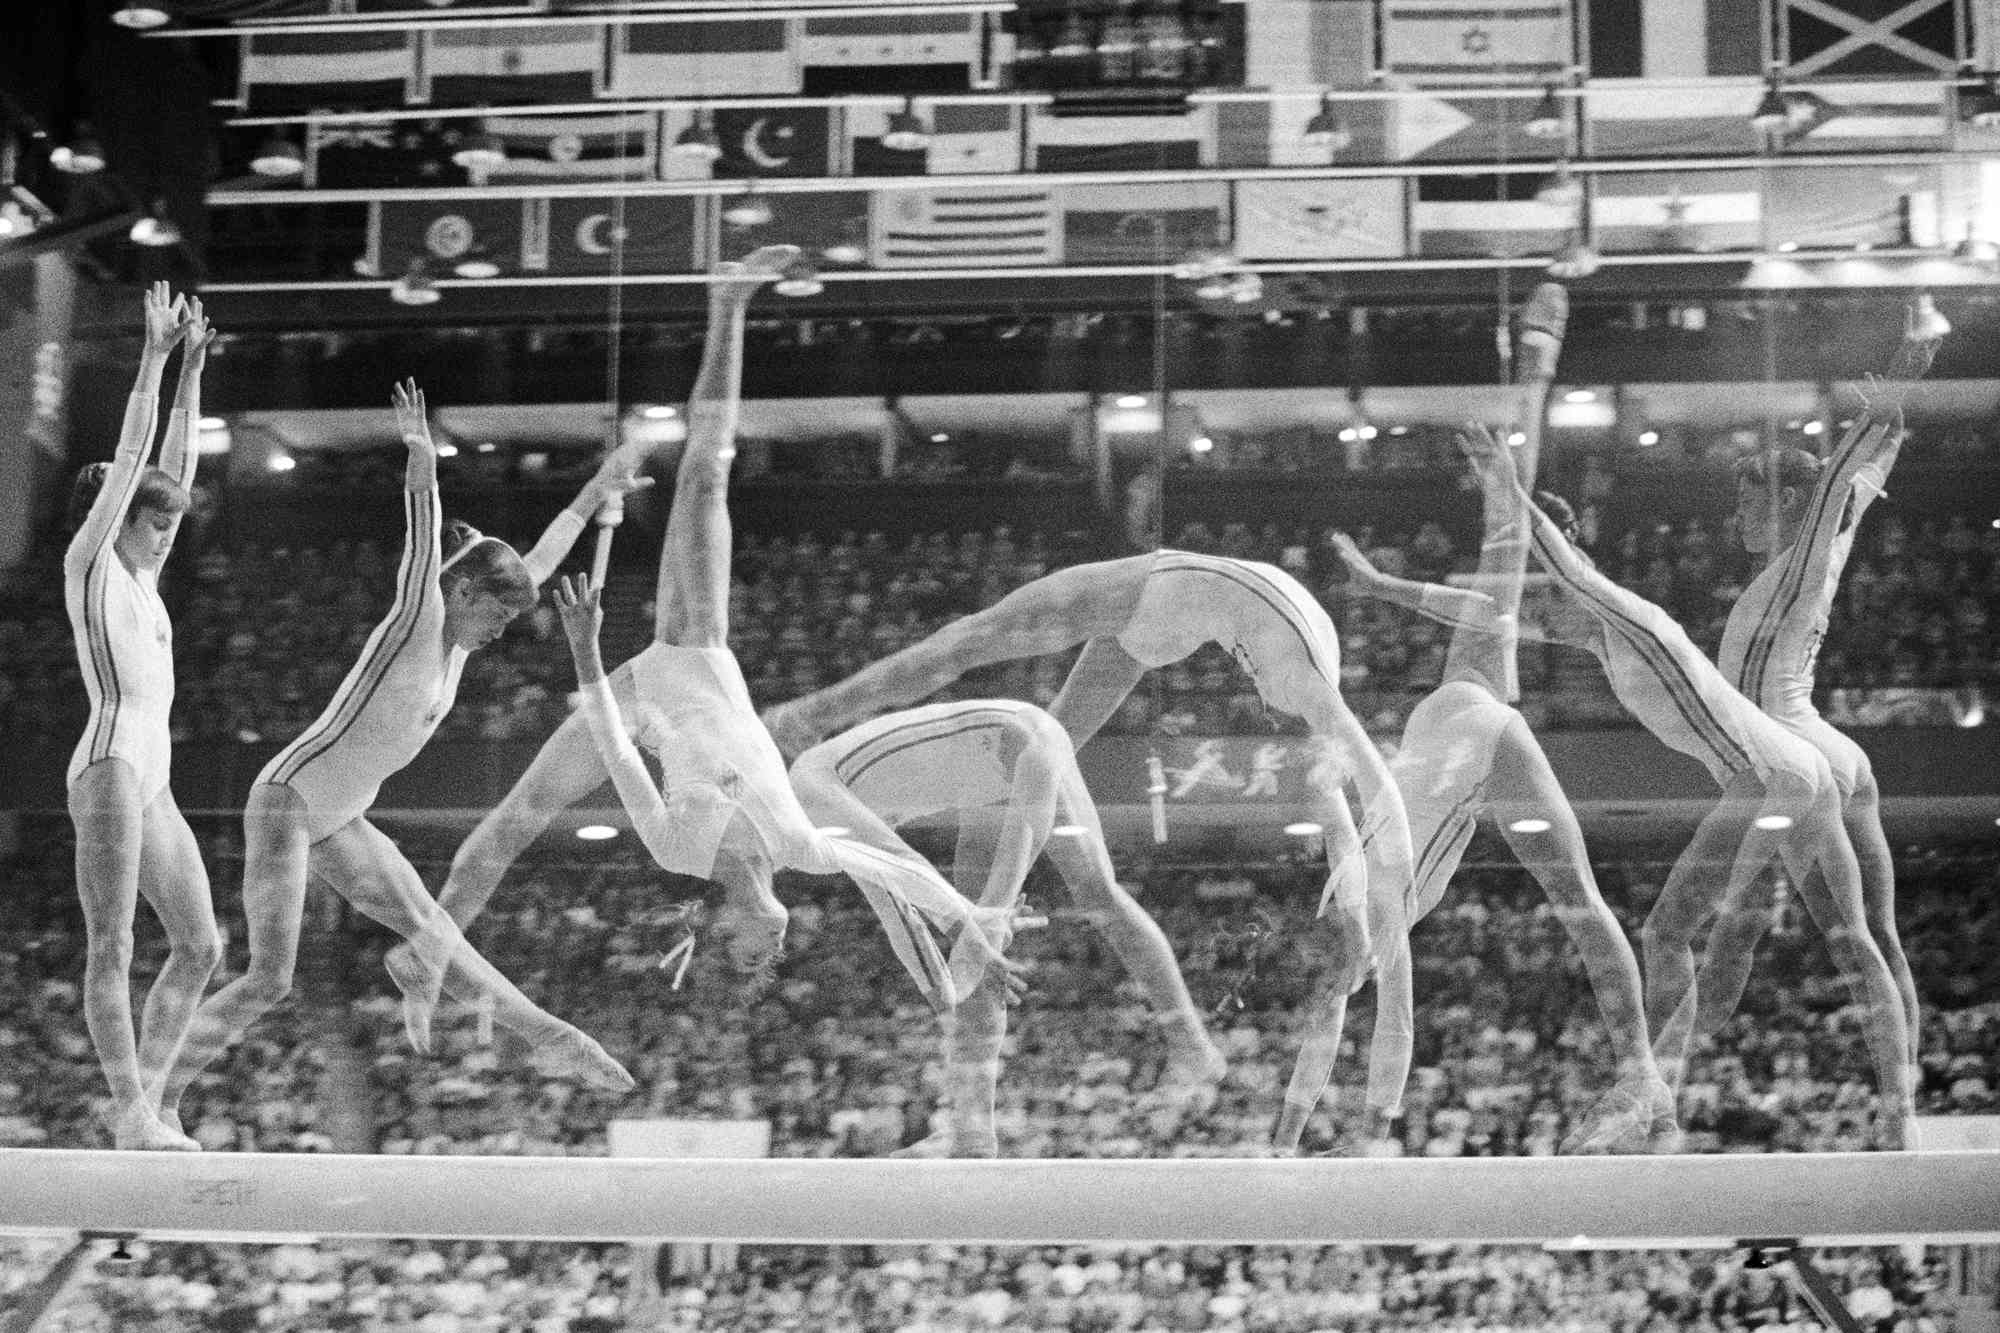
(746, 210)
(1548, 122)
(698, 142)
(278, 158)
(1198, 264)
(415, 287)
(81, 156)
(851, 248)
(1773, 823)
(1814, 428)
(139, 16)
(1562, 190)
(281, 462)
(1200, 444)
(834, 830)
(1068, 831)
(1574, 260)
(1580, 396)
(481, 151)
(1774, 110)
(476, 263)
(908, 131)
(940, 437)
(1529, 826)
(658, 412)
(1131, 400)
(596, 832)
(1930, 323)
(155, 228)
(1649, 438)
(447, 450)
(1982, 108)
(1327, 129)
(1305, 828)
(14, 220)
(1246, 288)
(800, 278)
(1787, 247)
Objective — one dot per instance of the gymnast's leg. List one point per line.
(1862, 814)
(1101, 680)
(175, 882)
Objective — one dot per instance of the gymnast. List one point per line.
(1007, 771)
(306, 815)
(131, 837)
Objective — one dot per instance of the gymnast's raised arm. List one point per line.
(165, 325)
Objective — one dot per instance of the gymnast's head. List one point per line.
(485, 585)
(152, 519)
(746, 920)
(1772, 488)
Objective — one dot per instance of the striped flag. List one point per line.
(555, 62)
(1466, 129)
(831, 227)
(889, 53)
(303, 71)
(1447, 40)
(968, 228)
(1872, 37)
(1320, 219)
(1696, 211)
(966, 138)
(1469, 217)
(745, 56)
(1676, 39)
(1142, 224)
(577, 148)
(1839, 207)
(1867, 117)
(443, 233)
(1309, 43)
(1632, 120)
(1258, 134)
(1122, 143)
(589, 235)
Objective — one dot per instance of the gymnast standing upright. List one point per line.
(306, 815)
(131, 838)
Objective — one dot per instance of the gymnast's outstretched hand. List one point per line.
(581, 606)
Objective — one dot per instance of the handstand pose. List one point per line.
(728, 812)
(131, 837)
(306, 816)
(1467, 752)
(1006, 768)
(1778, 796)
(1802, 514)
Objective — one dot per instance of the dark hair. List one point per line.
(156, 490)
(1559, 511)
(490, 565)
(1796, 467)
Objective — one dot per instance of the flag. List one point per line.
(588, 235)
(1867, 117)
(1449, 40)
(1871, 37)
(1486, 216)
(1676, 39)
(1633, 120)
(555, 62)
(1307, 219)
(405, 6)
(774, 141)
(889, 53)
(1259, 134)
(1696, 211)
(965, 138)
(1466, 129)
(831, 228)
(964, 228)
(1142, 224)
(614, 147)
(703, 57)
(443, 233)
(305, 71)
(1122, 143)
(1309, 43)
(1841, 207)
(385, 154)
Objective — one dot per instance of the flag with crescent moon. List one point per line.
(443, 232)
(607, 233)
(774, 141)
(703, 58)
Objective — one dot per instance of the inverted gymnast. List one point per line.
(1007, 771)
(1467, 753)
(306, 815)
(1778, 795)
(728, 813)
(131, 837)
(1802, 513)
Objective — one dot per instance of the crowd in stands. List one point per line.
(263, 633)
(840, 1055)
(491, 1287)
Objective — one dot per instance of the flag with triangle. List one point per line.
(553, 62)
(1338, 219)
(1869, 117)
(1142, 224)
(1480, 129)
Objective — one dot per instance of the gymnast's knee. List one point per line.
(266, 982)
(197, 950)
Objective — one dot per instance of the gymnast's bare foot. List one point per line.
(945, 1143)
(421, 983)
(1631, 1118)
(573, 1053)
(138, 1129)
